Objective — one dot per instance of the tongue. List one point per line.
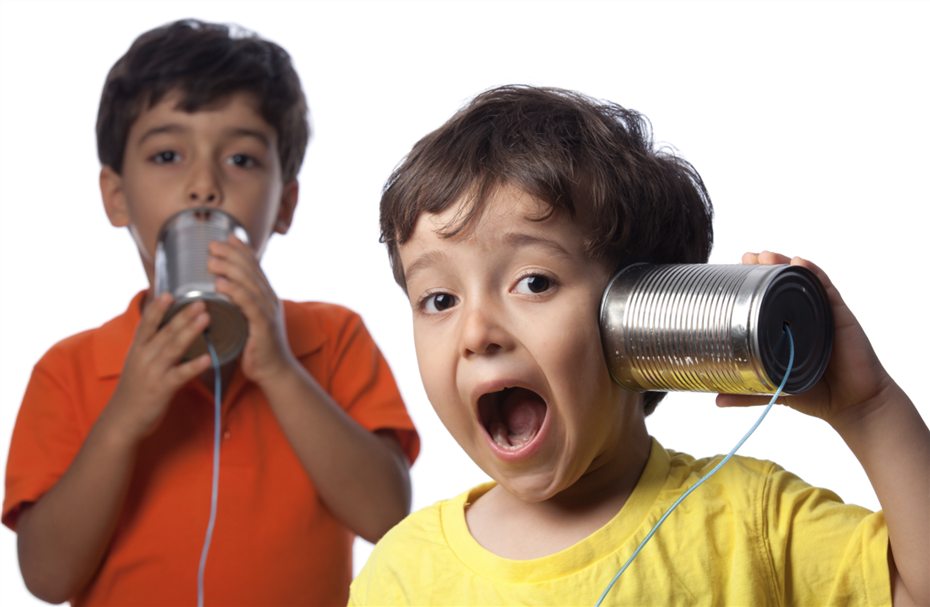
(519, 418)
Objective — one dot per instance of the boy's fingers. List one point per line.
(799, 261)
(151, 317)
(742, 400)
(173, 340)
(256, 309)
(238, 274)
(181, 336)
(238, 263)
(766, 258)
(237, 252)
(179, 375)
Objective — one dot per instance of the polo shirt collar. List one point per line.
(113, 339)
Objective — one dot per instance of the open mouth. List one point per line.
(512, 416)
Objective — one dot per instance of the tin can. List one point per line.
(715, 328)
(181, 269)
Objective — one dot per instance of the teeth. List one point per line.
(499, 434)
(504, 438)
(512, 419)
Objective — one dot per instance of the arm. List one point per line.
(885, 432)
(361, 476)
(62, 537)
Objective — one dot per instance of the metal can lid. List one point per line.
(795, 297)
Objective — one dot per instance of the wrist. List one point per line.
(857, 423)
(284, 370)
(114, 431)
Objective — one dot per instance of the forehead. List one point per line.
(237, 112)
(510, 220)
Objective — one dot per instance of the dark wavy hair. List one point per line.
(206, 62)
(578, 155)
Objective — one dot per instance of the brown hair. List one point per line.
(577, 155)
(206, 62)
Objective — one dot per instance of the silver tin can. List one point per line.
(715, 328)
(181, 269)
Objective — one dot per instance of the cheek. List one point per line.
(257, 214)
(579, 368)
(430, 366)
(437, 371)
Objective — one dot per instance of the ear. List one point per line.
(114, 198)
(286, 209)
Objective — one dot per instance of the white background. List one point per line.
(808, 122)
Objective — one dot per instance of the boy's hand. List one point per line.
(854, 377)
(266, 353)
(151, 374)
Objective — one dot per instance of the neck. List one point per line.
(511, 528)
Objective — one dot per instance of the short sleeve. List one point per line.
(823, 552)
(47, 435)
(360, 380)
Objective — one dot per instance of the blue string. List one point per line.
(712, 472)
(217, 400)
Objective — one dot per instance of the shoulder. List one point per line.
(319, 315)
(319, 311)
(740, 472)
(421, 527)
(77, 352)
(99, 351)
(752, 487)
(738, 469)
(409, 560)
(316, 325)
(311, 324)
(71, 346)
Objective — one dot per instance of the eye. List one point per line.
(533, 284)
(166, 157)
(241, 160)
(440, 302)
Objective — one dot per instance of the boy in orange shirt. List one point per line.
(504, 227)
(108, 479)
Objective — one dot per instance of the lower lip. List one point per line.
(523, 452)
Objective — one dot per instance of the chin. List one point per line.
(532, 487)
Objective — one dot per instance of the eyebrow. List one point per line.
(423, 262)
(158, 130)
(520, 239)
(234, 132)
(262, 137)
(516, 239)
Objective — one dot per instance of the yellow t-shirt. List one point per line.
(753, 534)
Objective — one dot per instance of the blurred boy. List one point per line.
(504, 227)
(108, 481)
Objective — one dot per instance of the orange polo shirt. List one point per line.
(274, 542)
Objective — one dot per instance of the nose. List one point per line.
(203, 186)
(484, 331)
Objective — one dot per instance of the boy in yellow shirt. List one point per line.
(504, 227)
